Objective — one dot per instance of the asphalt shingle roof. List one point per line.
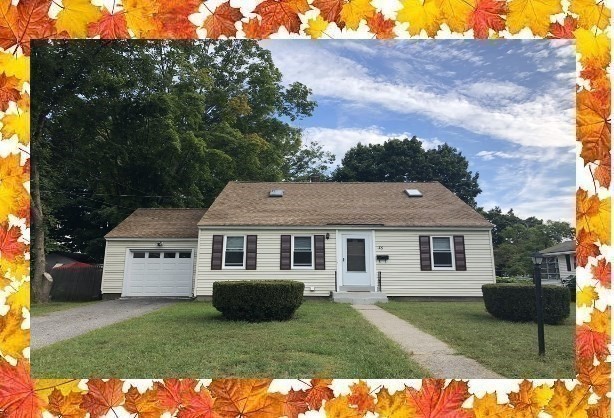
(328, 203)
(562, 247)
(159, 223)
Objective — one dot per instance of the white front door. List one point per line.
(356, 260)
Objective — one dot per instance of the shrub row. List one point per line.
(258, 300)
(516, 302)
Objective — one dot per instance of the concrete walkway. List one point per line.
(62, 325)
(432, 354)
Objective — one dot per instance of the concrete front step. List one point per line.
(359, 298)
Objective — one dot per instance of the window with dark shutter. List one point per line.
(285, 252)
(459, 253)
(568, 261)
(320, 259)
(425, 253)
(216, 252)
(252, 250)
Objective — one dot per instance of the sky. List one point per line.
(508, 106)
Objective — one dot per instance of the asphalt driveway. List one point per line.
(62, 325)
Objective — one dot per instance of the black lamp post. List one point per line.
(537, 279)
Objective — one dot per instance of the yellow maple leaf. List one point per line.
(534, 14)
(567, 403)
(456, 13)
(11, 200)
(593, 48)
(487, 406)
(420, 15)
(316, 27)
(14, 270)
(353, 11)
(44, 387)
(15, 66)
(586, 296)
(17, 123)
(340, 407)
(19, 296)
(11, 171)
(542, 395)
(600, 223)
(13, 339)
(140, 16)
(529, 400)
(591, 13)
(392, 406)
(75, 16)
(600, 321)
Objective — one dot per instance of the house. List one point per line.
(61, 258)
(559, 261)
(405, 239)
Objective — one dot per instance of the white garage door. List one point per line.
(159, 273)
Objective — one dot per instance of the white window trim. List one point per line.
(451, 252)
(292, 266)
(224, 266)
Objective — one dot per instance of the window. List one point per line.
(154, 255)
(234, 252)
(302, 252)
(169, 255)
(138, 255)
(185, 255)
(568, 261)
(442, 253)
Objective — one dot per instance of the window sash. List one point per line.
(302, 254)
(234, 251)
(442, 253)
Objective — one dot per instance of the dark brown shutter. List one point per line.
(216, 252)
(459, 252)
(425, 253)
(252, 250)
(318, 244)
(284, 252)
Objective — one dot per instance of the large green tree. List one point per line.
(405, 159)
(125, 124)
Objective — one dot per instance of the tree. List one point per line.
(311, 159)
(127, 124)
(405, 160)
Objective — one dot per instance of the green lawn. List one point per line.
(39, 309)
(191, 339)
(507, 348)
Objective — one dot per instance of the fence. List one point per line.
(80, 283)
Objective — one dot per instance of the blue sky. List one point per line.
(508, 106)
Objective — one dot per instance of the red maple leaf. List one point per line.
(603, 272)
(590, 343)
(433, 400)
(173, 16)
(9, 246)
(295, 403)
(28, 20)
(380, 26)
(278, 13)
(318, 393)
(222, 21)
(102, 396)
(18, 398)
(330, 11)
(197, 404)
(603, 172)
(109, 26)
(8, 91)
(564, 31)
(170, 392)
(585, 246)
(487, 15)
(360, 395)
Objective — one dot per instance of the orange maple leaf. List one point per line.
(596, 376)
(197, 404)
(603, 172)
(380, 26)
(330, 10)
(170, 392)
(340, 407)
(603, 409)
(435, 400)
(173, 16)
(247, 398)
(222, 21)
(102, 396)
(603, 272)
(591, 343)
(319, 392)
(564, 31)
(593, 126)
(254, 30)
(360, 395)
(28, 20)
(565, 402)
(487, 15)
(144, 405)
(278, 13)
(585, 246)
(529, 400)
(586, 208)
(10, 247)
(295, 403)
(109, 26)
(18, 398)
(8, 91)
(65, 406)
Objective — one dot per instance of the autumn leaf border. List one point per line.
(586, 21)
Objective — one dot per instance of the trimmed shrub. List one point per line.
(516, 302)
(570, 283)
(258, 300)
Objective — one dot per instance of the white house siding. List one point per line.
(115, 258)
(401, 274)
(267, 261)
(563, 272)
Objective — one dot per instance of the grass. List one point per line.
(191, 339)
(508, 348)
(40, 309)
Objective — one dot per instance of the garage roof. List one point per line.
(159, 223)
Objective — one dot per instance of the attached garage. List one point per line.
(152, 253)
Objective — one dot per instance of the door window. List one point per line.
(356, 260)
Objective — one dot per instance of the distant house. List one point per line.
(396, 239)
(559, 261)
(62, 258)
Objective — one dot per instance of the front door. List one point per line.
(357, 261)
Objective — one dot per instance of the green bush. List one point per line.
(513, 280)
(516, 302)
(258, 300)
(570, 283)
